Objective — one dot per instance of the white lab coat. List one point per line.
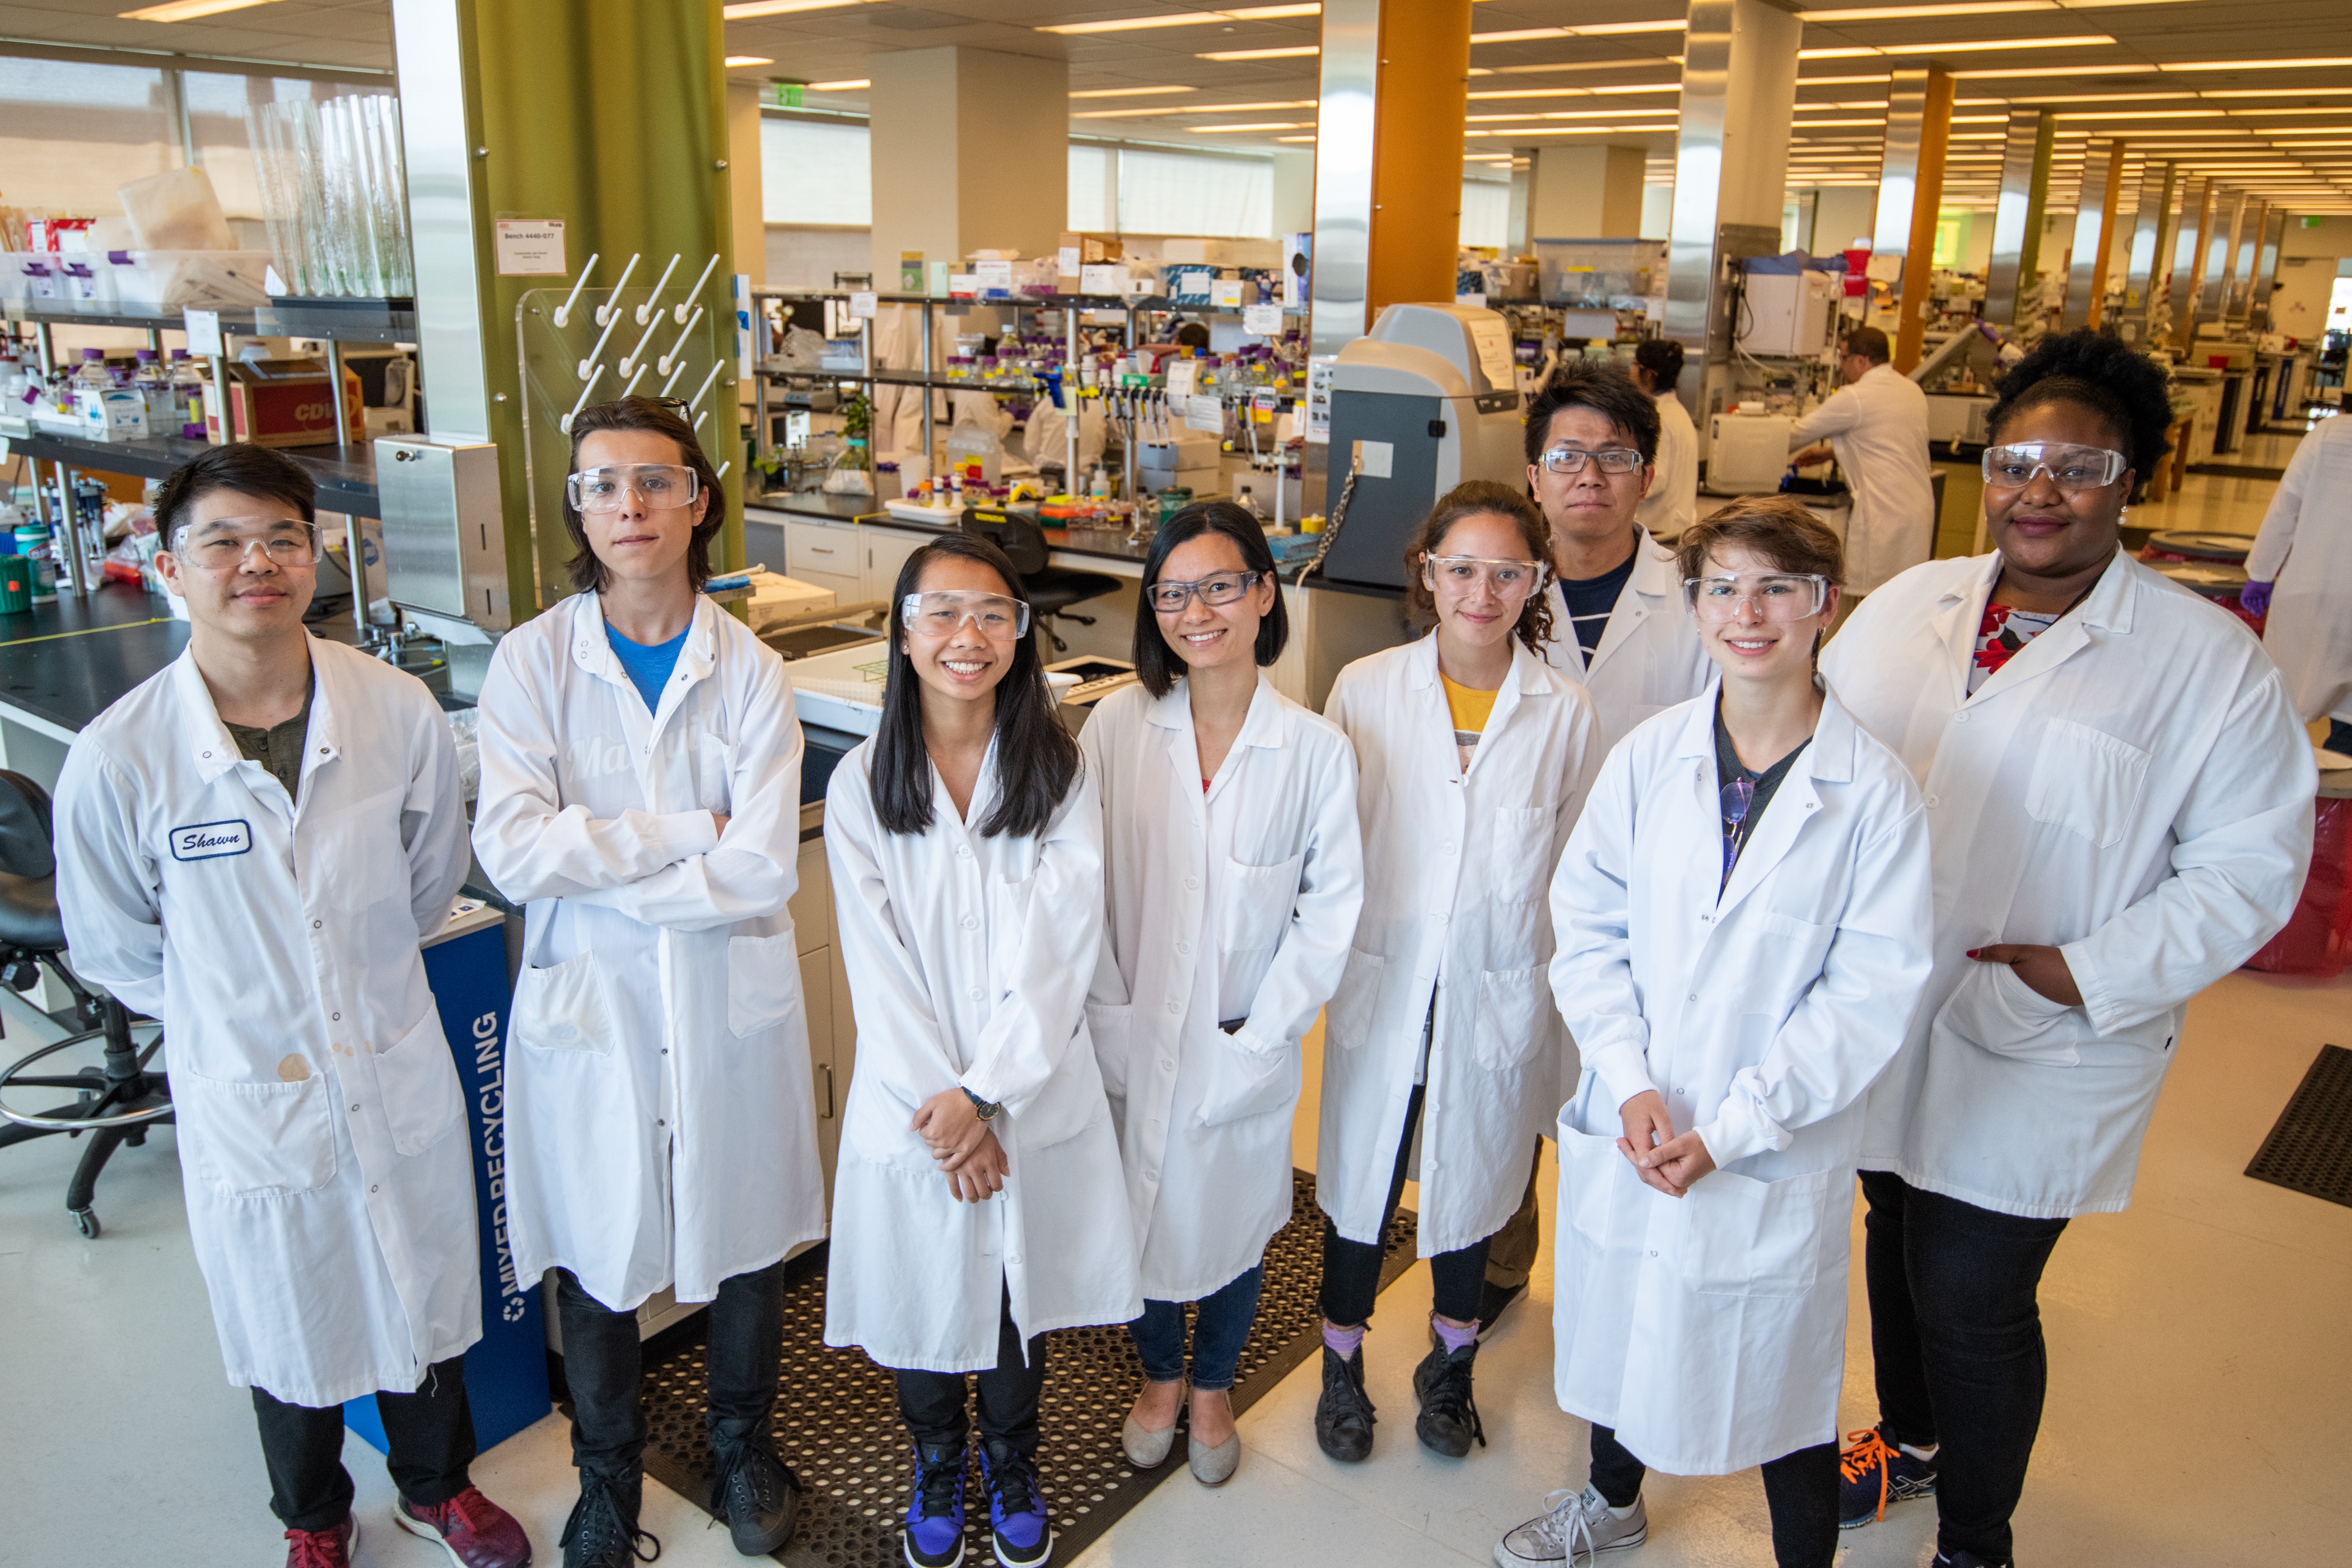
(330, 1191)
(2131, 786)
(967, 960)
(2306, 547)
(1649, 657)
(1709, 1330)
(1263, 872)
(1455, 868)
(1672, 504)
(1878, 428)
(660, 1119)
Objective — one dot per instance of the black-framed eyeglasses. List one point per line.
(1224, 588)
(1609, 459)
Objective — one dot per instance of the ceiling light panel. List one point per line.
(1188, 19)
(1129, 91)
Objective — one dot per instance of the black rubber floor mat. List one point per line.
(2236, 471)
(2310, 1147)
(837, 1421)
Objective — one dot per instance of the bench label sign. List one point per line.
(208, 840)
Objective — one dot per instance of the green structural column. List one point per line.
(609, 116)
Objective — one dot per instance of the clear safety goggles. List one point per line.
(1510, 579)
(939, 613)
(1224, 588)
(1611, 460)
(2070, 467)
(224, 544)
(657, 486)
(1775, 595)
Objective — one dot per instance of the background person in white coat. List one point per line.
(977, 1204)
(1744, 924)
(2300, 574)
(640, 796)
(1619, 627)
(1672, 503)
(1877, 428)
(1468, 746)
(250, 847)
(1234, 875)
(2120, 799)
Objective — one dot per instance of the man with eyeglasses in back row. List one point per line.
(251, 846)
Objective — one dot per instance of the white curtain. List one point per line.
(816, 173)
(1485, 211)
(1090, 171)
(1195, 194)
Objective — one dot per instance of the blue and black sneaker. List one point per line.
(935, 1516)
(1016, 1508)
(1874, 1472)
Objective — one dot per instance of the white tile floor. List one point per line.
(2198, 1346)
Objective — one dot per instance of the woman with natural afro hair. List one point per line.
(2119, 799)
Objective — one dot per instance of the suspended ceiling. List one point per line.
(2265, 107)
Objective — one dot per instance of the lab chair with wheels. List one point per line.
(1051, 590)
(115, 1103)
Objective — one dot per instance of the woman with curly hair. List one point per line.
(2120, 803)
(1468, 748)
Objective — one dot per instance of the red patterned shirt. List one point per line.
(2003, 633)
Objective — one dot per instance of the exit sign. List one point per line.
(786, 94)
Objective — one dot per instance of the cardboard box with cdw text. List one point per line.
(283, 403)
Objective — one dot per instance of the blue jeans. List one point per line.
(1219, 1330)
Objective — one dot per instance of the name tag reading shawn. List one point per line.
(208, 840)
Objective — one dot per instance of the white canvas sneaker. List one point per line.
(1574, 1528)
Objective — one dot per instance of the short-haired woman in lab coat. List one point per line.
(1744, 925)
(1233, 875)
(977, 1204)
(1470, 746)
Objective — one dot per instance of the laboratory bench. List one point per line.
(344, 476)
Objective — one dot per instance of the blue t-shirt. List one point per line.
(648, 664)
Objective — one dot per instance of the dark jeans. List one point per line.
(1801, 1489)
(603, 1366)
(1956, 1337)
(932, 1403)
(1351, 1269)
(430, 1433)
(2339, 737)
(1220, 1330)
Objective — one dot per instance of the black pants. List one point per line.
(1351, 1269)
(1801, 1489)
(603, 1364)
(932, 1403)
(1956, 1339)
(430, 1432)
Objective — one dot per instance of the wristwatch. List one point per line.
(987, 1109)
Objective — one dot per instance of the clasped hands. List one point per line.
(1661, 1160)
(963, 1146)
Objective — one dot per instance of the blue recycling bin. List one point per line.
(506, 1371)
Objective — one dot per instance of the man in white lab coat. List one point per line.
(2119, 804)
(1877, 428)
(641, 769)
(1672, 503)
(250, 847)
(1620, 629)
(2303, 557)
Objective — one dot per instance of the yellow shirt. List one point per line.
(1470, 707)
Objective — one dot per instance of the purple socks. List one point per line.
(1342, 1342)
(1451, 1338)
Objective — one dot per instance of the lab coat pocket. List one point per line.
(1511, 1007)
(1589, 1168)
(1740, 1237)
(256, 1136)
(1244, 1082)
(561, 1008)
(1354, 1008)
(1993, 1008)
(2086, 781)
(1519, 858)
(1110, 1025)
(1259, 902)
(418, 1083)
(763, 981)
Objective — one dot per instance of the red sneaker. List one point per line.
(330, 1548)
(475, 1532)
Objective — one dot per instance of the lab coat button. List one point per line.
(1013, 1258)
(1961, 717)
(1934, 800)
(1166, 1064)
(314, 925)
(338, 1017)
(1175, 1007)
(977, 993)
(1192, 884)
(1692, 997)
(1183, 947)
(971, 923)
(1449, 846)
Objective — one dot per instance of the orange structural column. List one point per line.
(1417, 119)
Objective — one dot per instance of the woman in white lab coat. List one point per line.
(1442, 1034)
(2120, 795)
(978, 1203)
(1234, 875)
(641, 797)
(1672, 503)
(1744, 920)
(2301, 575)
